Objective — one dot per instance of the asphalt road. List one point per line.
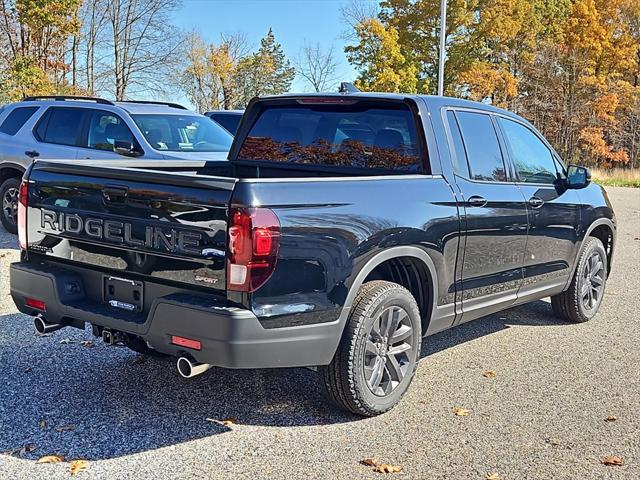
(543, 416)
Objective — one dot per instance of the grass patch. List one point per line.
(616, 177)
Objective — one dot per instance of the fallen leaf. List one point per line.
(51, 459)
(492, 476)
(610, 418)
(226, 422)
(42, 424)
(66, 341)
(461, 412)
(78, 466)
(66, 428)
(489, 374)
(612, 461)
(369, 462)
(387, 468)
(87, 343)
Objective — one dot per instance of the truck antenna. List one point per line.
(347, 87)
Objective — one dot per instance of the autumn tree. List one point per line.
(35, 35)
(377, 57)
(572, 67)
(23, 77)
(210, 75)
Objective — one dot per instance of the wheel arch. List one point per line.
(10, 170)
(603, 228)
(409, 266)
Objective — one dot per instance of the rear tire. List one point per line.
(378, 352)
(9, 191)
(581, 301)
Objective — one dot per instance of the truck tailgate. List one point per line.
(164, 225)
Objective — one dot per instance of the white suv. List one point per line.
(67, 127)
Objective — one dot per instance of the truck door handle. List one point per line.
(536, 202)
(115, 194)
(476, 201)
(32, 153)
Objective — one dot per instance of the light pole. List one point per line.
(443, 53)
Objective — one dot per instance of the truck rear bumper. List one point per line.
(230, 337)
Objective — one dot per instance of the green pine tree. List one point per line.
(266, 72)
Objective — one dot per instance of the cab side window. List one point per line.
(105, 128)
(534, 162)
(482, 147)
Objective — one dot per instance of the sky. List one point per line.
(294, 22)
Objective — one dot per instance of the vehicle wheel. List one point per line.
(581, 301)
(378, 352)
(9, 192)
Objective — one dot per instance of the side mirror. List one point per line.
(578, 177)
(123, 147)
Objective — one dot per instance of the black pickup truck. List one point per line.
(342, 230)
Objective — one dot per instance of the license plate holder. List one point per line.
(123, 293)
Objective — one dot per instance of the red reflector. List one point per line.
(186, 342)
(37, 304)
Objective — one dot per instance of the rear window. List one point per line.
(361, 136)
(229, 122)
(16, 119)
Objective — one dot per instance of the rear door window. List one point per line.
(481, 146)
(363, 135)
(16, 119)
(61, 126)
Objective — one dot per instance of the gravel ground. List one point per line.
(543, 416)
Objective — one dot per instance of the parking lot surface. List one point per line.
(542, 416)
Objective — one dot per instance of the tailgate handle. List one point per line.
(115, 194)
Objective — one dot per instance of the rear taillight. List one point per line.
(254, 240)
(22, 214)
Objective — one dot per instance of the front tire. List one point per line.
(581, 301)
(378, 352)
(9, 191)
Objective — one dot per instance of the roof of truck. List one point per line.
(434, 101)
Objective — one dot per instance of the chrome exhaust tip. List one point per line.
(42, 326)
(189, 368)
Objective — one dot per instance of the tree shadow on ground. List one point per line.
(121, 403)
